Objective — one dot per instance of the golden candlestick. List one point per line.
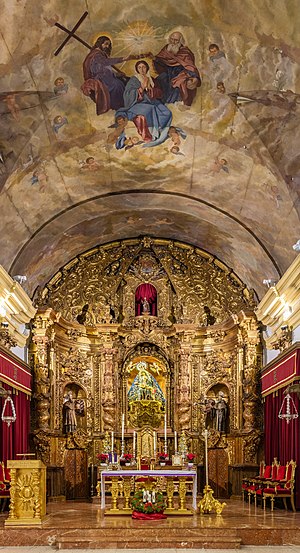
(208, 503)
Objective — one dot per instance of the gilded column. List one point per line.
(184, 390)
(108, 389)
(40, 358)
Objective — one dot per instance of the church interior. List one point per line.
(149, 273)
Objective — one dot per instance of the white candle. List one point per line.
(175, 440)
(165, 427)
(134, 442)
(206, 456)
(123, 426)
(154, 443)
(112, 442)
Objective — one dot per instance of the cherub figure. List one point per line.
(219, 165)
(176, 135)
(12, 106)
(58, 122)
(39, 176)
(90, 164)
(60, 87)
(119, 127)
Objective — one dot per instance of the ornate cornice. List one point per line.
(280, 307)
(16, 310)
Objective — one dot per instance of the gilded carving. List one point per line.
(205, 335)
(42, 444)
(78, 440)
(250, 445)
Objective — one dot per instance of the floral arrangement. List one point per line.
(163, 456)
(190, 457)
(127, 457)
(103, 457)
(142, 503)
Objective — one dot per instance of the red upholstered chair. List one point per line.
(143, 464)
(256, 487)
(248, 480)
(282, 488)
(277, 471)
(4, 486)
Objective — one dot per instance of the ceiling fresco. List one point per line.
(181, 121)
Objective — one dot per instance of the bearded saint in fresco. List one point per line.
(179, 77)
(103, 82)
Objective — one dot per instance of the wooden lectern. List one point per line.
(27, 493)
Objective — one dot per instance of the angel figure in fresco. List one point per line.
(176, 135)
(60, 87)
(143, 106)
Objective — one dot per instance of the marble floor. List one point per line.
(244, 549)
(83, 527)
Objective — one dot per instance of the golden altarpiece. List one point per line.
(152, 331)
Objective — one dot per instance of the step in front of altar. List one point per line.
(149, 538)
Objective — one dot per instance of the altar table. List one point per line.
(182, 475)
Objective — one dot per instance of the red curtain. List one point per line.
(147, 291)
(282, 440)
(15, 438)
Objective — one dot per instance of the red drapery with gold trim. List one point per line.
(16, 378)
(282, 440)
(147, 291)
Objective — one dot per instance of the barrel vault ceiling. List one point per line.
(231, 184)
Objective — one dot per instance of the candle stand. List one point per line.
(208, 503)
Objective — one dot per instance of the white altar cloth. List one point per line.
(139, 473)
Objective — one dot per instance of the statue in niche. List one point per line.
(146, 300)
(207, 318)
(81, 318)
(221, 413)
(145, 307)
(209, 412)
(69, 414)
(71, 409)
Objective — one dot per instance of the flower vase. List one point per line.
(127, 464)
(162, 464)
(103, 464)
(190, 465)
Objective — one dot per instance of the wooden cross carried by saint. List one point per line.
(71, 34)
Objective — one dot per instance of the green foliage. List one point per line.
(148, 507)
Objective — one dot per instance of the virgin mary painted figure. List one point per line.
(143, 106)
(145, 386)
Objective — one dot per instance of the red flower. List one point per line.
(163, 455)
(190, 457)
(103, 457)
(127, 456)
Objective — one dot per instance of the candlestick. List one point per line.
(123, 425)
(205, 433)
(166, 447)
(134, 442)
(175, 441)
(112, 442)
(92, 480)
(154, 443)
(123, 429)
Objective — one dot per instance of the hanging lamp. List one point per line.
(288, 409)
(8, 418)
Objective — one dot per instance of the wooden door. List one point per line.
(76, 476)
(218, 472)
